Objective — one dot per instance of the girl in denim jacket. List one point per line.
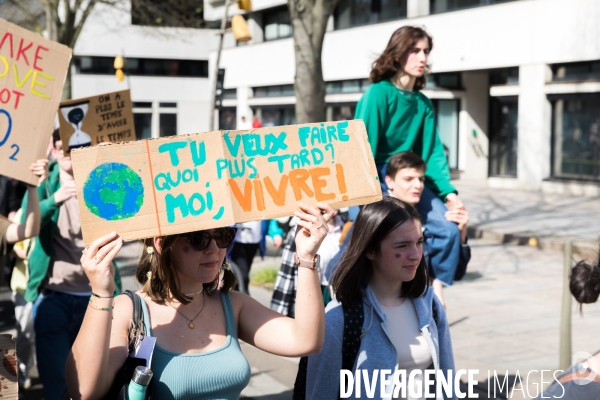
(405, 330)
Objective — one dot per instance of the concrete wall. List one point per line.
(108, 32)
(525, 32)
(533, 159)
(473, 126)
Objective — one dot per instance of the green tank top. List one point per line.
(217, 374)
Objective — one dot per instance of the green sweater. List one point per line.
(400, 120)
(41, 255)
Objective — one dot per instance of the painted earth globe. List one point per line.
(113, 191)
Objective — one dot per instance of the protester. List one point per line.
(244, 123)
(284, 291)
(256, 123)
(25, 337)
(398, 117)
(12, 232)
(55, 271)
(250, 238)
(382, 279)
(11, 195)
(581, 380)
(405, 179)
(180, 276)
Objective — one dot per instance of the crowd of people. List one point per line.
(358, 289)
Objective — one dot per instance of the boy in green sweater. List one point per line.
(399, 118)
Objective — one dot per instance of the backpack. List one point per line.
(354, 317)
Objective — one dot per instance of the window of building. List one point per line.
(229, 94)
(581, 71)
(446, 115)
(576, 132)
(143, 125)
(504, 116)
(441, 6)
(143, 66)
(504, 76)
(347, 86)
(276, 23)
(167, 124)
(274, 91)
(181, 14)
(352, 13)
(277, 116)
(343, 112)
(451, 80)
(227, 119)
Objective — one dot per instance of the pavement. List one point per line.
(504, 315)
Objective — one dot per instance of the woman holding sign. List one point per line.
(192, 313)
(399, 118)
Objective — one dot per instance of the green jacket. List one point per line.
(399, 120)
(41, 255)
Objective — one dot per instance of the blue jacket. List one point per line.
(376, 348)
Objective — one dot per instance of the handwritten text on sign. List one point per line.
(89, 121)
(32, 74)
(185, 183)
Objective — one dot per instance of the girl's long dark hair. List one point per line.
(164, 285)
(394, 55)
(372, 225)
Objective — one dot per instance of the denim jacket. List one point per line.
(376, 348)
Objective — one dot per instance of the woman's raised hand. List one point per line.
(314, 228)
(97, 263)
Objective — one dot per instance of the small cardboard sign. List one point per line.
(179, 184)
(32, 75)
(9, 388)
(98, 119)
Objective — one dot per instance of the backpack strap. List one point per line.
(354, 317)
(137, 330)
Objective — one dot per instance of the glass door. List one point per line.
(504, 115)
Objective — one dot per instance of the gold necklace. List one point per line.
(191, 321)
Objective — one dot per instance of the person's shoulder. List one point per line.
(426, 101)
(384, 86)
(334, 315)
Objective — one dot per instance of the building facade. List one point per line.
(166, 69)
(515, 83)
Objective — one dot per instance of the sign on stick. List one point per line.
(179, 184)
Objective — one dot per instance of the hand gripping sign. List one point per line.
(93, 120)
(32, 75)
(186, 183)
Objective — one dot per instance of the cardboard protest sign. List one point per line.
(104, 118)
(185, 183)
(32, 75)
(9, 388)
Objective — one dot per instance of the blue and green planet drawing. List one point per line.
(113, 191)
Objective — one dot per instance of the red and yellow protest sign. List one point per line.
(32, 75)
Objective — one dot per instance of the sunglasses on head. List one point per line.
(201, 240)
